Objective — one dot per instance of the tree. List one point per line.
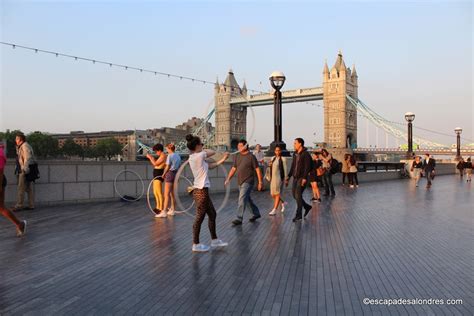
(108, 147)
(89, 152)
(9, 136)
(44, 145)
(71, 149)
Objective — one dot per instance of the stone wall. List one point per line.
(64, 182)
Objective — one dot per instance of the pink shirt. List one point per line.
(3, 159)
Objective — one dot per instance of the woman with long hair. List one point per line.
(315, 176)
(173, 161)
(158, 169)
(200, 169)
(353, 180)
(278, 176)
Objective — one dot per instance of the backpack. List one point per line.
(336, 166)
(34, 173)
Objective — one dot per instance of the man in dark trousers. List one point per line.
(300, 168)
(429, 165)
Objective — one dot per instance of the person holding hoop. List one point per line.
(200, 170)
(173, 161)
(158, 168)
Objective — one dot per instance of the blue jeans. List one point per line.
(245, 200)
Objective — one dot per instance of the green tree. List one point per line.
(71, 149)
(9, 136)
(108, 147)
(44, 145)
(90, 152)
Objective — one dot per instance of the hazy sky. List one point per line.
(410, 56)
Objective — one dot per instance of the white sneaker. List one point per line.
(351, 186)
(171, 212)
(283, 206)
(161, 215)
(218, 243)
(20, 233)
(273, 212)
(201, 248)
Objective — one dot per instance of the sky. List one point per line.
(410, 56)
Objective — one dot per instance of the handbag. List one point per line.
(320, 172)
(34, 173)
(268, 174)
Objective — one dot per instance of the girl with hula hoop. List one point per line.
(173, 161)
(158, 169)
(200, 170)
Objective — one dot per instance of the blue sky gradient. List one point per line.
(410, 56)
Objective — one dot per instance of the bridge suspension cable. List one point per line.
(386, 125)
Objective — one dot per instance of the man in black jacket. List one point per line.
(429, 165)
(300, 168)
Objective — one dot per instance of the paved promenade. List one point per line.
(384, 240)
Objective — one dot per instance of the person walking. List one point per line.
(278, 176)
(260, 156)
(429, 165)
(158, 169)
(315, 176)
(417, 168)
(468, 166)
(460, 167)
(245, 165)
(353, 180)
(300, 169)
(173, 162)
(24, 160)
(327, 177)
(200, 169)
(345, 169)
(20, 224)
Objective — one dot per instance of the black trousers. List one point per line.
(328, 186)
(203, 206)
(297, 191)
(353, 180)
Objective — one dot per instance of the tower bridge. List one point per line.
(340, 115)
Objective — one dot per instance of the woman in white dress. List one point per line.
(279, 174)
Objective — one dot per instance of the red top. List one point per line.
(3, 159)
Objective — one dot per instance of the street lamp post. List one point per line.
(410, 117)
(458, 132)
(277, 79)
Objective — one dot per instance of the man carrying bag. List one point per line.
(26, 171)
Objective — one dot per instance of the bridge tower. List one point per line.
(231, 120)
(340, 116)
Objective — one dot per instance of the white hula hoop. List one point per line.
(120, 195)
(178, 200)
(148, 196)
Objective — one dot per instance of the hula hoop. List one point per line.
(120, 195)
(178, 200)
(148, 197)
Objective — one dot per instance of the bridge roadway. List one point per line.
(384, 240)
(288, 96)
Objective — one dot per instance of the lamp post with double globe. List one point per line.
(410, 117)
(277, 80)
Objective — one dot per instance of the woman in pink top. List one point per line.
(20, 225)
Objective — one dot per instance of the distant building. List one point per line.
(128, 138)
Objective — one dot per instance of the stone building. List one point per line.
(340, 116)
(231, 120)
